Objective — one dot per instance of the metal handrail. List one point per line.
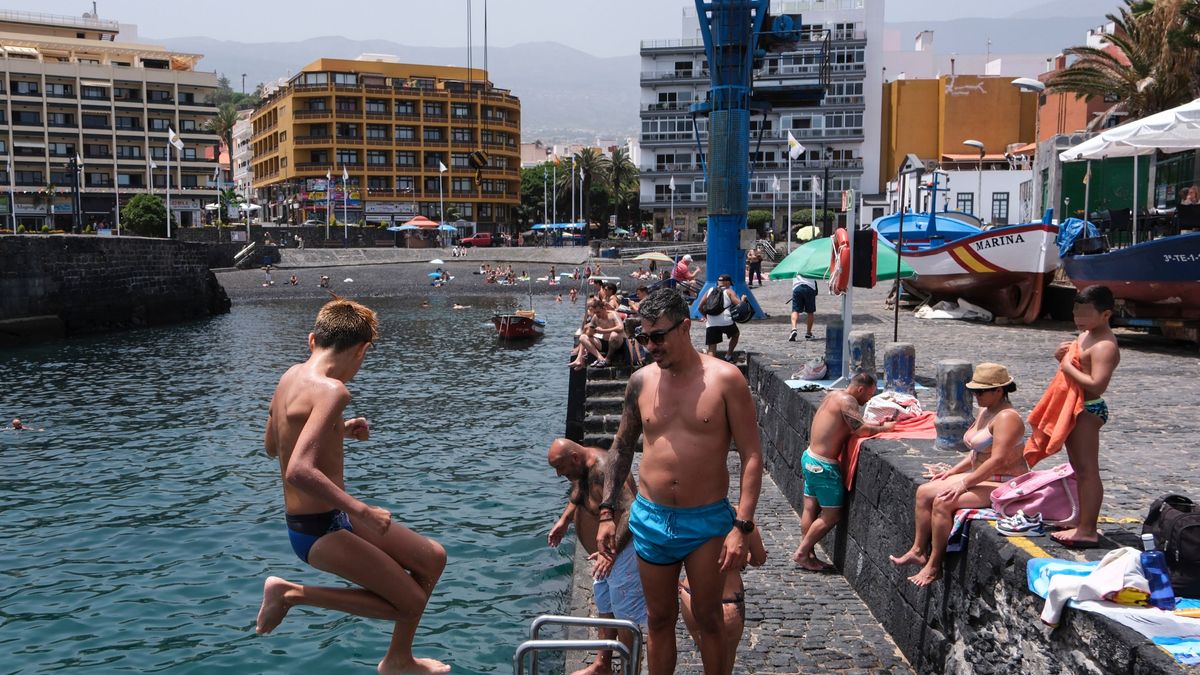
(534, 646)
(535, 627)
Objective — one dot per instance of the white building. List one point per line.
(960, 186)
(842, 135)
(242, 152)
(922, 62)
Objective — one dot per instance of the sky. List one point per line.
(599, 27)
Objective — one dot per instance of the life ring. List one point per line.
(839, 262)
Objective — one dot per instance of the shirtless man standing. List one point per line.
(1098, 358)
(689, 407)
(838, 418)
(617, 587)
(330, 530)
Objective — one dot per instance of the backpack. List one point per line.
(1174, 520)
(742, 312)
(1053, 493)
(714, 302)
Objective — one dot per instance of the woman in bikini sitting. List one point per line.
(996, 441)
(733, 601)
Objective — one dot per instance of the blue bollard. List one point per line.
(899, 367)
(833, 348)
(954, 404)
(862, 352)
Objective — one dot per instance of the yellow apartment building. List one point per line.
(409, 137)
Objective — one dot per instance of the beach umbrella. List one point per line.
(436, 261)
(620, 231)
(422, 223)
(808, 233)
(447, 228)
(811, 261)
(403, 228)
(542, 226)
(655, 255)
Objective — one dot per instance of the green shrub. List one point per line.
(20, 229)
(45, 229)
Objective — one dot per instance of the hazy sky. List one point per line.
(599, 27)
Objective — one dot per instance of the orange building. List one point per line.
(410, 137)
(931, 118)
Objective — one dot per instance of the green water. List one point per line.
(139, 525)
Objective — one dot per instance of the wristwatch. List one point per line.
(746, 526)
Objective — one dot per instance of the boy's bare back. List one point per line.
(306, 414)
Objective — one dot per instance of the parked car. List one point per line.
(479, 239)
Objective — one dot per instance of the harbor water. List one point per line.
(141, 522)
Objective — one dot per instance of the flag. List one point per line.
(174, 139)
(556, 159)
(442, 168)
(794, 147)
(775, 184)
(153, 165)
(671, 185)
(1087, 176)
(328, 176)
(78, 161)
(817, 188)
(345, 175)
(217, 172)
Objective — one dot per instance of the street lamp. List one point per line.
(1029, 84)
(978, 145)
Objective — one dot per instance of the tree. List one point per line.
(756, 218)
(594, 165)
(623, 185)
(145, 215)
(1156, 68)
(222, 125)
(45, 197)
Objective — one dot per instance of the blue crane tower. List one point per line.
(732, 31)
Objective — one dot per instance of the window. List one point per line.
(460, 111)
(29, 177)
(96, 151)
(345, 78)
(462, 135)
(432, 159)
(158, 153)
(25, 89)
(98, 179)
(28, 117)
(62, 178)
(377, 183)
(187, 98)
(347, 105)
(187, 125)
(431, 185)
(965, 202)
(314, 78)
(377, 132)
(347, 130)
(377, 106)
(129, 122)
(129, 152)
(189, 180)
(377, 158)
(21, 150)
(318, 104)
(95, 121)
(188, 154)
(434, 110)
(61, 150)
(999, 208)
(406, 107)
(435, 134)
(406, 183)
(96, 93)
(347, 157)
(462, 185)
(159, 124)
(406, 133)
(158, 96)
(59, 90)
(57, 119)
(404, 158)
(460, 160)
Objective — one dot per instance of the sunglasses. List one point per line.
(656, 336)
(981, 392)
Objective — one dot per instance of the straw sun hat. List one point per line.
(989, 376)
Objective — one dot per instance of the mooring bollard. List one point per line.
(899, 367)
(954, 406)
(833, 348)
(862, 352)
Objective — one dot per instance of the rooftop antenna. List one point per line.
(485, 54)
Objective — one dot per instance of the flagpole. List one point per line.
(169, 144)
(345, 208)
(789, 204)
(774, 195)
(554, 186)
(12, 204)
(1087, 190)
(572, 189)
(441, 201)
(117, 192)
(328, 201)
(545, 196)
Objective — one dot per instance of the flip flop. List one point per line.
(1076, 544)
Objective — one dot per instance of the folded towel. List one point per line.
(1053, 418)
(919, 426)
(962, 519)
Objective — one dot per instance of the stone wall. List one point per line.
(980, 618)
(63, 285)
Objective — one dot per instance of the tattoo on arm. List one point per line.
(852, 419)
(620, 456)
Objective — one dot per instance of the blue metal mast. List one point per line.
(730, 29)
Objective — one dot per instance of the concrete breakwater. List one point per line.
(54, 286)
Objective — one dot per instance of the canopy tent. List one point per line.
(421, 222)
(811, 261)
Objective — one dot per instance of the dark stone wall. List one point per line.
(980, 617)
(96, 284)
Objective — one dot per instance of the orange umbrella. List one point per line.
(422, 222)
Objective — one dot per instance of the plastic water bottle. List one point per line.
(1154, 566)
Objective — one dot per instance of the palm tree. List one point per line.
(222, 125)
(622, 180)
(1155, 69)
(45, 197)
(593, 163)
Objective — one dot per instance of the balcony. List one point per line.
(674, 75)
(379, 116)
(406, 143)
(686, 44)
(312, 115)
(379, 141)
(408, 117)
(379, 168)
(313, 166)
(672, 106)
(436, 142)
(313, 140)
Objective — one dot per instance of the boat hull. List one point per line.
(516, 327)
(1004, 270)
(1162, 272)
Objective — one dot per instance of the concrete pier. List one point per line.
(899, 367)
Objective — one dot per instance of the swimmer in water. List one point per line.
(18, 425)
(394, 568)
(458, 306)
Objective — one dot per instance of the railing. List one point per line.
(312, 114)
(313, 166)
(672, 44)
(629, 662)
(675, 106)
(379, 116)
(651, 75)
(313, 140)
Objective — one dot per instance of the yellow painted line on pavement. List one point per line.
(1108, 520)
(1025, 544)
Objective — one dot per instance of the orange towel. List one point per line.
(1053, 418)
(920, 426)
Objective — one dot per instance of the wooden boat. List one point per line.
(522, 324)
(1005, 269)
(1156, 279)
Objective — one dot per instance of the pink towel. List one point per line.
(1053, 418)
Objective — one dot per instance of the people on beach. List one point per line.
(995, 439)
(601, 337)
(687, 407)
(293, 281)
(267, 280)
(754, 261)
(733, 601)
(837, 419)
(804, 300)
(395, 568)
(574, 295)
(1090, 364)
(721, 325)
(616, 585)
(683, 270)
(324, 283)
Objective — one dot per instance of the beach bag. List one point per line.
(814, 369)
(1053, 493)
(714, 302)
(742, 312)
(1174, 520)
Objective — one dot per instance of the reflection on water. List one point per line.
(141, 523)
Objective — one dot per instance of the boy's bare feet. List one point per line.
(418, 666)
(910, 557)
(926, 576)
(274, 606)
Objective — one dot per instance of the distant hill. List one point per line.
(566, 94)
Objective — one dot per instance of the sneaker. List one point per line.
(792, 337)
(810, 336)
(1021, 525)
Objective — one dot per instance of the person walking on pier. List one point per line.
(617, 585)
(330, 530)
(687, 407)
(837, 419)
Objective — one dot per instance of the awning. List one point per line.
(94, 83)
(1173, 130)
(21, 51)
(954, 157)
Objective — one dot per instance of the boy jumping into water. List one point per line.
(330, 530)
(1098, 358)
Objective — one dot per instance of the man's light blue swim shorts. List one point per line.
(665, 535)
